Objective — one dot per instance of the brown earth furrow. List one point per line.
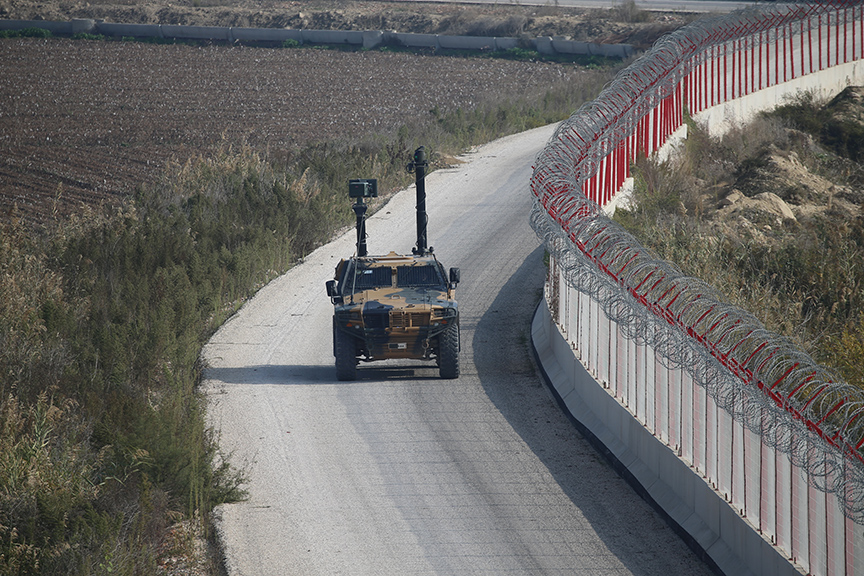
(101, 118)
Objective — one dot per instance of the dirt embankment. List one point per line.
(617, 25)
(788, 185)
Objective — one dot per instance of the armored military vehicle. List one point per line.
(394, 306)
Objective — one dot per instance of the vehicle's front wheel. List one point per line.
(346, 355)
(448, 352)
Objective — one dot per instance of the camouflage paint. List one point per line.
(393, 320)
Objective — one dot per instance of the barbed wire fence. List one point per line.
(796, 406)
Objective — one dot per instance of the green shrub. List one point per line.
(845, 138)
(26, 33)
(808, 113)
(805, 111)
(35, 33)
(88, 36)
(520, 54)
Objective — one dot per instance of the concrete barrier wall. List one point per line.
(466, 43)
(194, 32)
(823, 84)
(367, 39)
(350, 37)
(705, 519)
(266, 35)
(749, 506)
(60, 28)
(129, 30)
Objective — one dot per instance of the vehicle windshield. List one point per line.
(361, 278)
(418, 277)
(369, 278)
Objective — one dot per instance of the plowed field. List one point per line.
(88, 121)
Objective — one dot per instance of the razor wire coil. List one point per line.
(759, 378)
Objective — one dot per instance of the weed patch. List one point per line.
(26, 33)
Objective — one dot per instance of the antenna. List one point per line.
(418, 167)
(362, 188)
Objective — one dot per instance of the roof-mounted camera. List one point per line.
(363, 188)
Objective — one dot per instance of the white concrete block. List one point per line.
(195, 32)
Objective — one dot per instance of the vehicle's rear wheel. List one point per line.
(346, 355)
(448, 352)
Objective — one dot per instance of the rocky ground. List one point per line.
(793, 183)
(622, 24)
(783, 193)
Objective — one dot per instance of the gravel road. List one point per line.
(401, 473)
